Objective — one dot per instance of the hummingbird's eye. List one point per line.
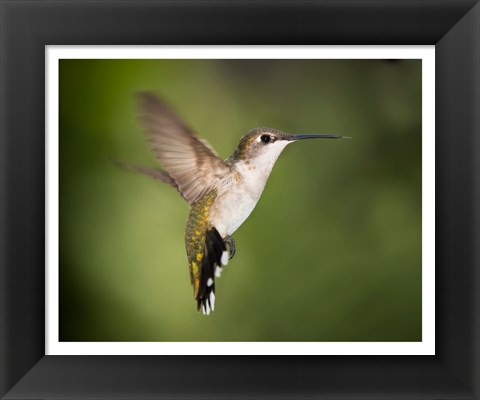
(265, 138)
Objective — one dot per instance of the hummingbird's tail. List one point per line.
(215, 256)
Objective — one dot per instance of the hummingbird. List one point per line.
(221, 193)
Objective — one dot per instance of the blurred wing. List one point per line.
(158, 174)
(194, 167)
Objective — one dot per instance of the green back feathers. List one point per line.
(195, 235)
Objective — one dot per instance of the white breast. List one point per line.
(234, 206)
(230, 211)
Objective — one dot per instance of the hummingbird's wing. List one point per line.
(193, 166)
(154, 173)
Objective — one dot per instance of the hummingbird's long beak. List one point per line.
(314, 136)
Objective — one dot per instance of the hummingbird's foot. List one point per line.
(231, 246)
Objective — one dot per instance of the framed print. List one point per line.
(162, 320)
(85, 314)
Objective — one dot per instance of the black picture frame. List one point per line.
(453, 26)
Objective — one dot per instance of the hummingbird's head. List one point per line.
(266, 144)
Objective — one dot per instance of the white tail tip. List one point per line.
(224, 259)
(212, 300)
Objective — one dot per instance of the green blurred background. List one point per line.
(331, 253)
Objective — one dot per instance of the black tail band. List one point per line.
(214, 248)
